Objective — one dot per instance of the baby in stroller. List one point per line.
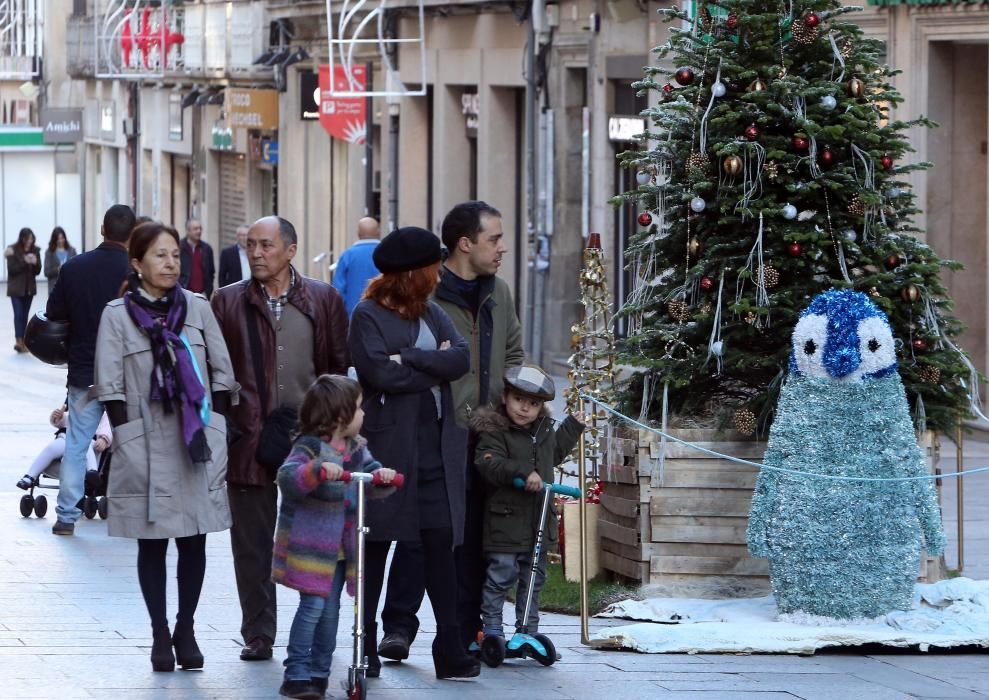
(48, 462)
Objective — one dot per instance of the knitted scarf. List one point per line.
(173, 376)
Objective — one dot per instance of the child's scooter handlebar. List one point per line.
(561, 489)
(374, 478)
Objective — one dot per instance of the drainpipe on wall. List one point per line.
(393, 111)
(532, 333)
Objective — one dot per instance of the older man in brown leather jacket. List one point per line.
(299, 326)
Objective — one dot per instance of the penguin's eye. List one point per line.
(874, 345)
(810, 347)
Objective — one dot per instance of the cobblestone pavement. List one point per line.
(73, 624)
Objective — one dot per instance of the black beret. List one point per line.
(405, 249)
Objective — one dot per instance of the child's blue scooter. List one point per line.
(522, 645)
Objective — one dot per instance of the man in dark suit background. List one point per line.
(198, 267)
(234, 265)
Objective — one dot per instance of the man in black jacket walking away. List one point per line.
(85, 284)
(234, 264)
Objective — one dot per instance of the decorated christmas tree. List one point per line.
(774, 170)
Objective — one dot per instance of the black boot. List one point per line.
(371, 650)
(187, 652)
(161, 651)
(449, 658)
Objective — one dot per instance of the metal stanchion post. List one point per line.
(960, 494)
(585, 636)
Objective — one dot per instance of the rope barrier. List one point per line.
(739, 460)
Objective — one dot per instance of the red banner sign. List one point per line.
(343, 117)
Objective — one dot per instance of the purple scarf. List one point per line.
(173, 377)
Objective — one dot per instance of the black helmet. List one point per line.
(47, 340)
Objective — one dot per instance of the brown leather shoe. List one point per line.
(258, 649)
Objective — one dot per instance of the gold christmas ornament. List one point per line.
(695, 247)
(856, 206)
(697, 165)
(803, 33)
(707, 308)
(770, 276)
(757, 86)
(874, 293)
(772, 170)
(744, 421)
(732, 165)
(910, 293)
(750, 318)
(930, 374)
(678, 310)
(856, 88)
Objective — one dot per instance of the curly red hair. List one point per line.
(405, 293)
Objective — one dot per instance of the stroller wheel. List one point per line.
(89, 507)
(493, 650)
(40, 506)
(359, 691)
(549, 657)
(27, 505)
(101, 507)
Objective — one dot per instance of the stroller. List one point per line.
(93, 501)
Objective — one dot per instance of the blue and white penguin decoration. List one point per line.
(843, 548)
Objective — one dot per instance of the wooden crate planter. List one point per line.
(680, 528)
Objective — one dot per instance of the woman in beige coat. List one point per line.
(158, 354)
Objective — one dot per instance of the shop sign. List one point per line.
(470, 107)
(344, 118)
(252, 109)
(625, 128)
(61, 125)
(222, 137)
(308, 95)
(269, 151)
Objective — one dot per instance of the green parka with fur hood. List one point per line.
(506, 451)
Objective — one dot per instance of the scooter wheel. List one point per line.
(101, 507)
(89, 507)
(359, 691)
(549, 657)
(493, 650)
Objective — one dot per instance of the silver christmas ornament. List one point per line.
(789, 212)
(718, 348)
(718, 89)
(698, 204)
(829, 102)
(894, 192)
(643, 177)
(849, 235)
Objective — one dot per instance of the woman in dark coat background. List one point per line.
(57, 254)
(406, 351)
(23, 265)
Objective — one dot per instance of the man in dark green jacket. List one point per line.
(481, 307)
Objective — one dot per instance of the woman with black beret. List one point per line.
(406, 352)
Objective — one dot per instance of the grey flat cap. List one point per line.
(530, 380)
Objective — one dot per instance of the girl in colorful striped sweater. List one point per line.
(315, 540)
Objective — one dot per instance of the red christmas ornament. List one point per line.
(887, 162)
(919, 344)
(800, 144)
(893, 261)
(707, 284)
(826, 156)
(645, 218)
(751, 132)
(668, 88)
(732, 20)
(794, 250)
(812, 20)
(684, 76)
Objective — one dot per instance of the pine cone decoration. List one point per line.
(697, 166)
(930, 374)
(770, 276)
(856, 206)
(744, 421)
(678, 310)
(803, 33)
